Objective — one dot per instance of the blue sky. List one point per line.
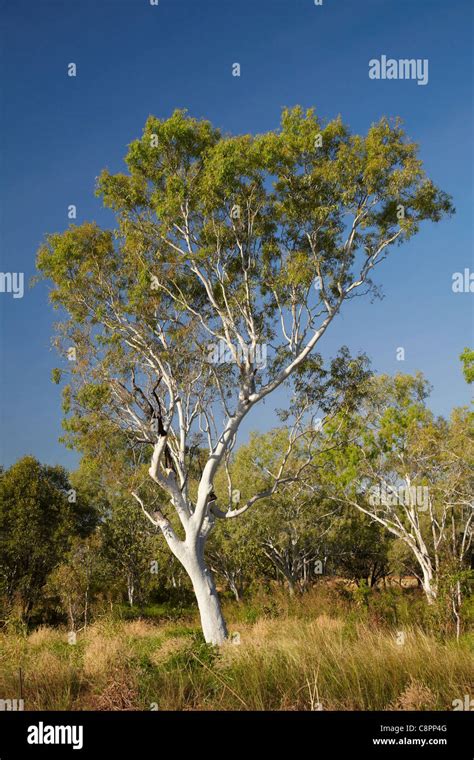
(134, 59)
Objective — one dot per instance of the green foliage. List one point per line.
(357, 547)
(174, 219)
(77, 580)
(37, 523)
(317, 209)
(130, 546)
(467, 358)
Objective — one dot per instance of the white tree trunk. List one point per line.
(429, 586)
(428, 581)
(212, 620)
(130, 590)
(197, 525)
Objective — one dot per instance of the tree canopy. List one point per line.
(230, 258)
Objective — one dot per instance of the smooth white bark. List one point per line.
(212, 620)
(190, 554)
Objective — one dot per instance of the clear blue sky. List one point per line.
(134, 59)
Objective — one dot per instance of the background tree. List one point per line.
(412, 474)
(234, 554)
(280, 538)
(129, 548)
(40, 514)
(230, 259)
(78, 579)
(357, 548)
(299, 533)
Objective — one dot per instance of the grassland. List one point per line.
(318, 651)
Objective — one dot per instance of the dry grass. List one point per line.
(100, 655)
(306, 665)
(302, 658)
(416, 696)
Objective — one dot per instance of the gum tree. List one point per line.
(39, 520)
(225, 247)
(412, 474)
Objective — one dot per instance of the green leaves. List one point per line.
(56, 375)
(37, 522)
(467, 358)
(224, 237)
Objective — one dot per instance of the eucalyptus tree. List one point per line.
(128, 549)
(40, 516)
(230, 258)
(412, 474)
(283, 536)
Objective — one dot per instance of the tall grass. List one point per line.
(309, 653)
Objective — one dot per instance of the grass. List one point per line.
(319, 651)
